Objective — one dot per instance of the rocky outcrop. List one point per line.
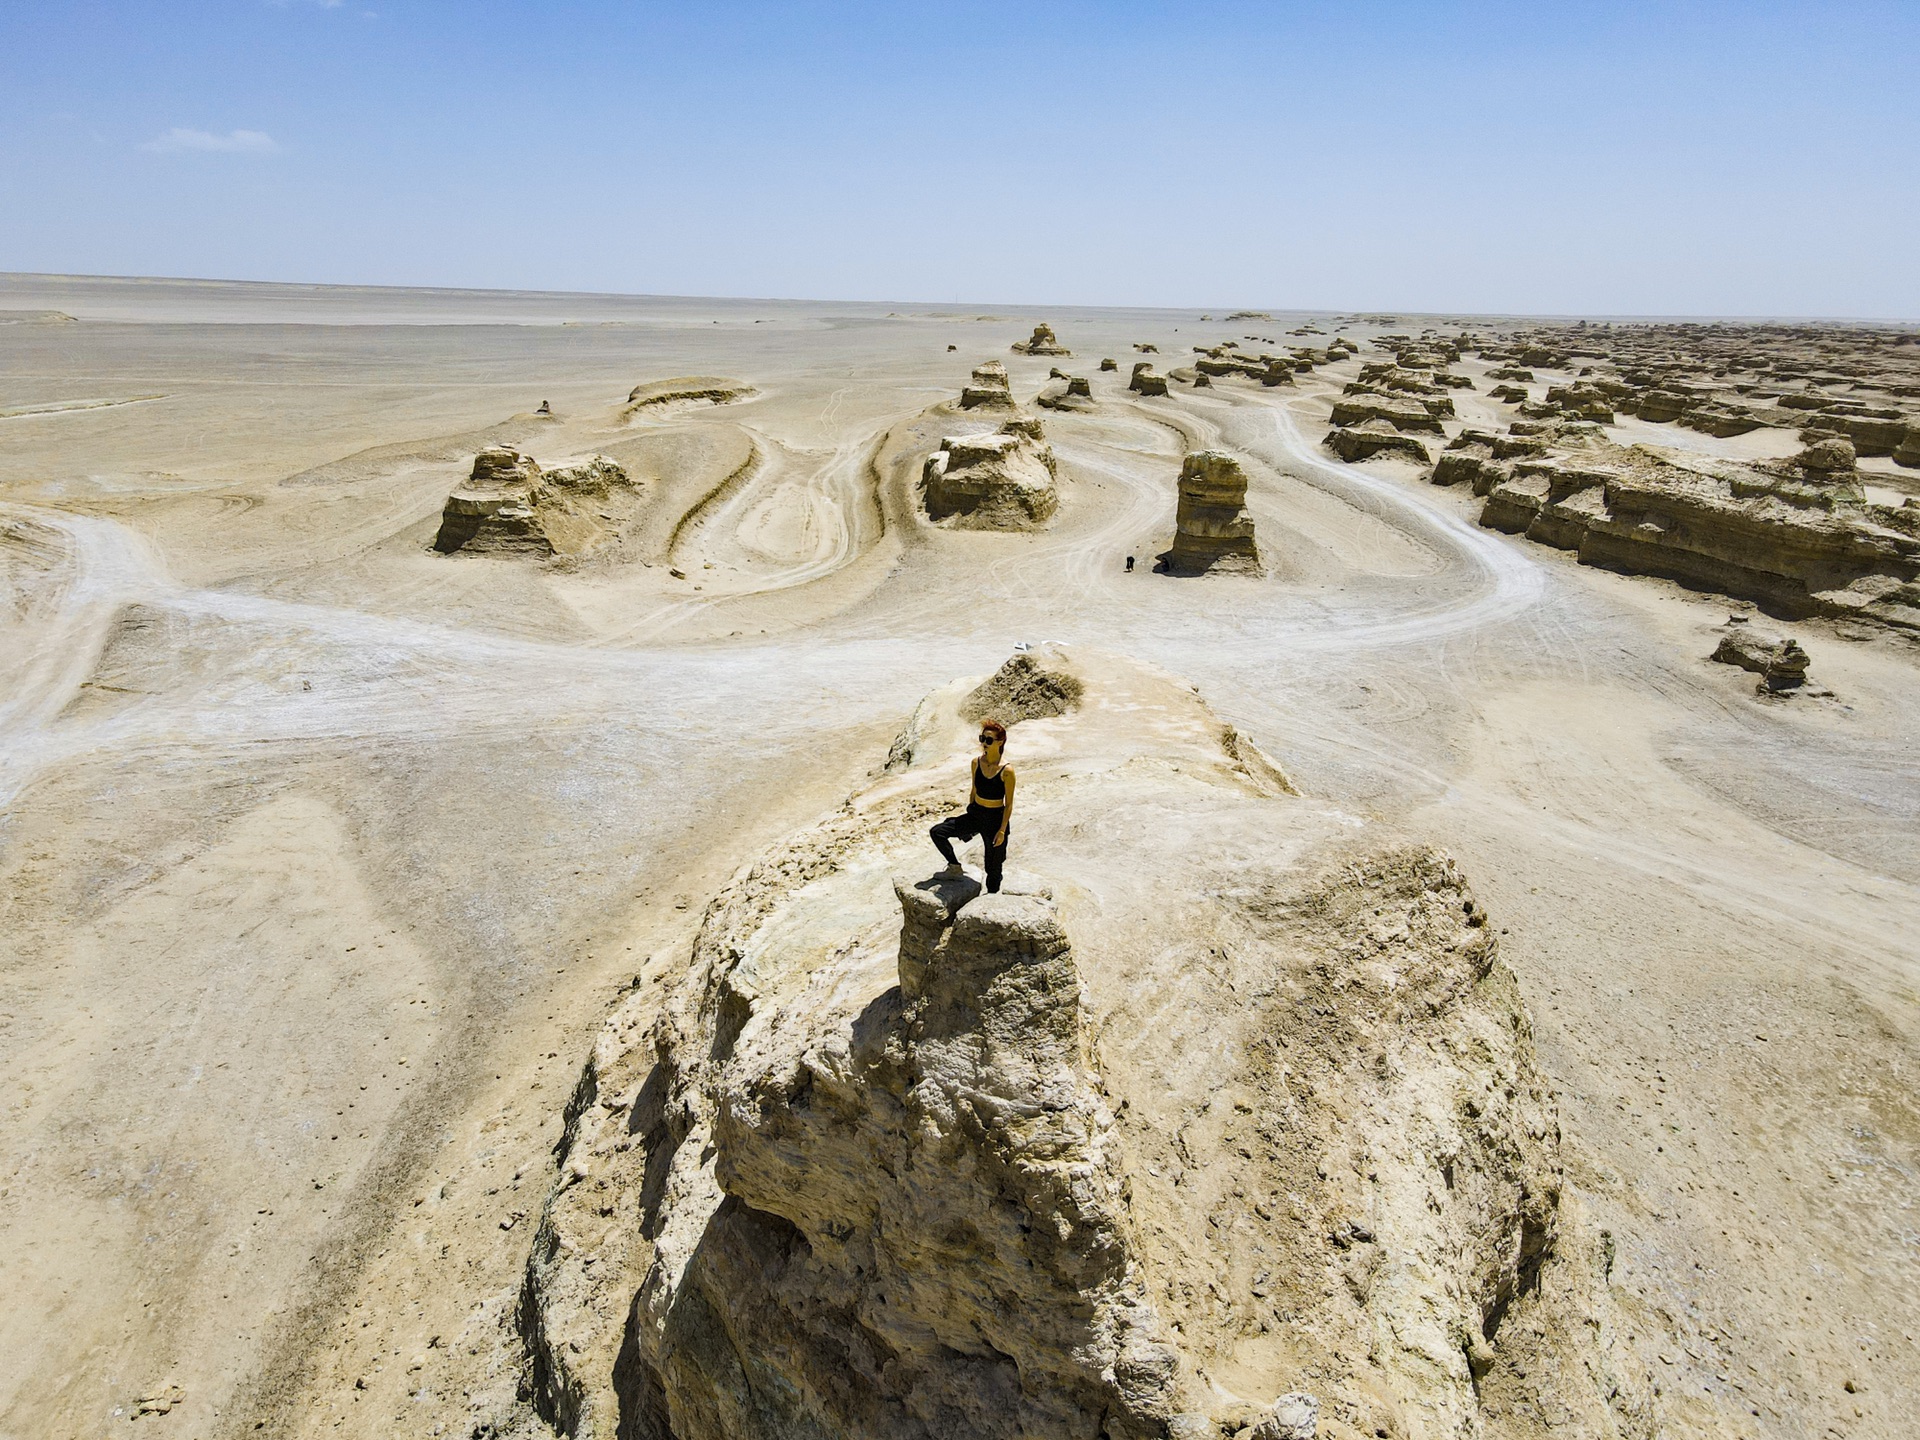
(931, 1301)
(686, 390)
(1213, 529)
(1070, 392)
(1401, 414)
(1871, 434)
(1798, 539)
(1003, 480)
(1032, 685)
(1828, 457)
(1145, 381)
(988, 389)
(1042, 342)
(1374, 437)
(509, 505)
(1779, 661)
(1474, 460)
(1245, 1130)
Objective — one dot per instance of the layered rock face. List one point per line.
(1213, 529)
(511, 506)
(1145, 380)
(1373, 437)
(884, 1244)
(1796, 537)
(1402, 414)
(999, 481)
(1231, 1122)
(989, 389)
(1043, 342)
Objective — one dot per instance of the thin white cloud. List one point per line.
(234, 142)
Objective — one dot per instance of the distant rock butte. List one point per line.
(1213, 530)
(687, 389)
(988, 389)
(510, 506)
(1042, 342)
(1003, 480)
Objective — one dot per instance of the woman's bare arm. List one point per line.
(1006, 811)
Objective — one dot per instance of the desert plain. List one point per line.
(453, 981)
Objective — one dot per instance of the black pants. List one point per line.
(980, 821)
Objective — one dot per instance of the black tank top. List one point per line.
(989, 787)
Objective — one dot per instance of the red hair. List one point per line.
(997, 729)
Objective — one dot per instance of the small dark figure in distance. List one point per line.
(1129, 564)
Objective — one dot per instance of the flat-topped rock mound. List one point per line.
(1002, 480)
(988, 389)
(686, 390)
(509, 505)
(1224, 1112)
(1368, 438)
(1145, 380)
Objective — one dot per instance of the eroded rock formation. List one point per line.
(687, 390)
(1032, 685)
(1145, 381)
(1069, 392)
(988, 389)
(1213, 529)
(1373, 437)
(1403, 414)
(1042, 342)
(509, 505)
(1779, 661)
(1232, 1122)
(1003, 480)
(1796, 537)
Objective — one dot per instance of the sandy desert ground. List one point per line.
(326, 857)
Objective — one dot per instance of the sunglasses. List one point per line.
(989, 739)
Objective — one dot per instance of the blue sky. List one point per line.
(1739, 159)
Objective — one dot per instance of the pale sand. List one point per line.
(321, 860)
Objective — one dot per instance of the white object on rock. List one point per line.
(1295, 1416)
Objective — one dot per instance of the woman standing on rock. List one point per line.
(989, 807)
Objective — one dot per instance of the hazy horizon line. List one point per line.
(1195, 311)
